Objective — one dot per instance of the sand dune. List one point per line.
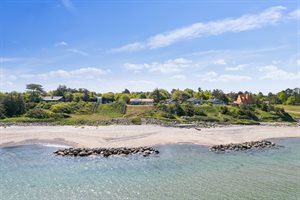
(132, 136)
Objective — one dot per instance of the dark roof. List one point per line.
(194, 99)
(216, 101)
(142, 100)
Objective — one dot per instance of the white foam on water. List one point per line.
(54, 145)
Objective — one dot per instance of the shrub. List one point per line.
(65, 107)
(162, 107)
(38, 113)
(199, 111)
(115, 108)
(136, 121)
(59, 115)
(161, 114)
(188, 109)
(176, 109)
(84, 107)
(224, 110)
(246, 114)
(31, 105)
(44, 105)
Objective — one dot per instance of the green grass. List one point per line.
(25, 119)
(134, 113)
(294, 111)
(138, 110)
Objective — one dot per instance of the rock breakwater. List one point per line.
(106, 152)
(242, 146)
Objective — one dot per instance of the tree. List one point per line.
(189, 91)
(125, 97)
(219, 94)
(180, 96)
(13, 105)
(60, 91)
(126, 91)
(282, 96)
(155, 95)
(86, 95)
(109, 95)
(21, 107)
(36, 90)
(291, 100)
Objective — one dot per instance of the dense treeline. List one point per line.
(17, 104)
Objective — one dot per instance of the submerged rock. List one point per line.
(106, 152)
(242, 146)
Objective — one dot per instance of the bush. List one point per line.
(45, 105)
(136, 121)
(176, 109)
(188, 109)
(59, 115)
(38, 113)
(224, 110)
(161, 114)
(84, 107)
(69, 107)
(115, 108)
(162, 107)
(31, 105)
(246, 114)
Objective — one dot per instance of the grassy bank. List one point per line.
(119, 113)
(294, 111)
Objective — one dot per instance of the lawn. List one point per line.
(294, 111)
(137, 110)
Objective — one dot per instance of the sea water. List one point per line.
(180, 171)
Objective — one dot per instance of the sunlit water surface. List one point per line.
(178, 172)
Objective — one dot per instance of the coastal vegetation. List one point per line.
(79, 106)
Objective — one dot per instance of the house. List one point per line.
(243, 99)
(170, 101)
(141, 101)
(216, 101)
(194, 101)
(53, 98)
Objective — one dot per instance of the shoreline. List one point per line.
(140, 135)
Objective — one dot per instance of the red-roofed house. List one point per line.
(244, 99)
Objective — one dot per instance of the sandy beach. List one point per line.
(134, 136)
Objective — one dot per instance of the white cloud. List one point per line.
(79, 52)
(129, 48)
(219, 62)
(61, 44)
(6, 79)
(178, 77)
(138, 82)
(215, 77)
(272, 72)
(269, 16)
(294, 14)
(169, 66)
(88, 72)
(7, 59)
(236, 68)
(68, 5)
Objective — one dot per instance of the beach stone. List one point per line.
(83, 153)
(242, 146)
(106, 152)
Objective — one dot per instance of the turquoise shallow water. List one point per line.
(178, 172)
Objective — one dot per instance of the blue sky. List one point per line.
(141, 45)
